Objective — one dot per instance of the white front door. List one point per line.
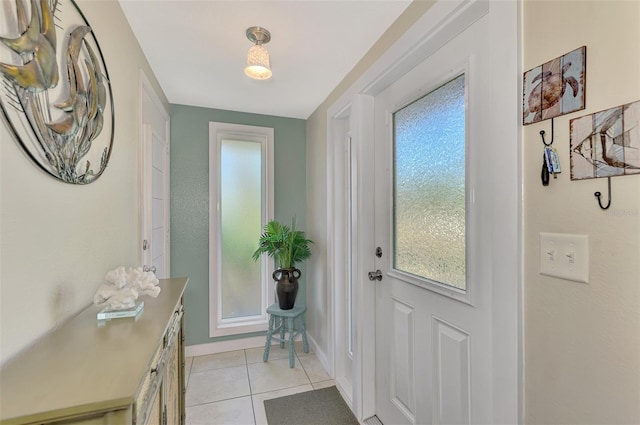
(154, 182)
(433, 219)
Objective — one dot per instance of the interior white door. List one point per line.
(155, 183)
(156, 240)
(433, 340)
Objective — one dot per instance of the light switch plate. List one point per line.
(565, 256)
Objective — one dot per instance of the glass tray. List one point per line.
(106, 314)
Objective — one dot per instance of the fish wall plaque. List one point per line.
(555, 88)
(55, 93)
(606, 143)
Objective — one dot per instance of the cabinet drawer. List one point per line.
(174, 326)
(161, 360)
(149, 388)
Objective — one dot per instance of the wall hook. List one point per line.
(542, 133)
(598, 194)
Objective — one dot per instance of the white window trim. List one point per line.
(217, 132)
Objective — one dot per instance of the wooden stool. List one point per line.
(281, 321)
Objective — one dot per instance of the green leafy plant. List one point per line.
(286, 244)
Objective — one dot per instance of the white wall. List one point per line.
(58, 240)
(582, 342)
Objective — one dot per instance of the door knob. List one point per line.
(149, 269)
(377, 275)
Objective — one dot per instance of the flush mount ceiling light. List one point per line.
(258, 58)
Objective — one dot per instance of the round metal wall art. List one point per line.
(55, 93)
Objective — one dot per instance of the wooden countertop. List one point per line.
(82, 366)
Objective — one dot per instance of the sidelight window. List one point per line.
(241, 200)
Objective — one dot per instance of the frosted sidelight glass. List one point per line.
(429, 186)
(240, 212)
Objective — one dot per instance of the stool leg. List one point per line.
(281, 319)
(267, 345)
(303, 331)
(291, 335)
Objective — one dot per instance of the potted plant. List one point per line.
(288, 246)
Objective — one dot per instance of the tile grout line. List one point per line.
(305, 371)
(253, 407)
(220, 401)
(282, 389)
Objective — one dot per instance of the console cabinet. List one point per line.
(115, 372)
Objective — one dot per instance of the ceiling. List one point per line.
(198, 49)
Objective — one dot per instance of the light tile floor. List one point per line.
(230, 388)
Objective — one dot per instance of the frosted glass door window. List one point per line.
(429, 186)
(240, 214)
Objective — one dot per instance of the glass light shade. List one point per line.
(258, 63)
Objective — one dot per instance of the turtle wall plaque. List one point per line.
(555, 88)
(55, 94)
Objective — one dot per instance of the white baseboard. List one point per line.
(322, 357)
(223, 346)
(244, 343)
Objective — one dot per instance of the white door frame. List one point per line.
(350, 119)
(339, 271)
(144, 155)
(438, 25)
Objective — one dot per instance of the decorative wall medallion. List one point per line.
(55, 94)
(606, 143)
(555, 88)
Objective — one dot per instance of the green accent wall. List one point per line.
(190, 199)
